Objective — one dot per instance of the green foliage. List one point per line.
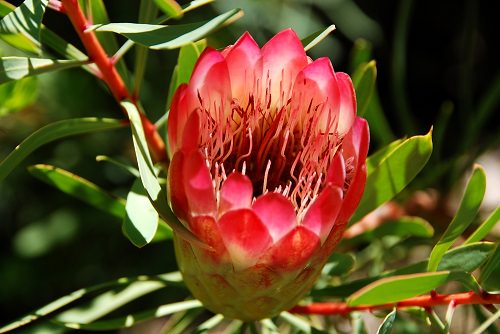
(380, 273)
(395, 169)
(159, 37)
(469, 206)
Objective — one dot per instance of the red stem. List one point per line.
(110, 75)
(426, 301)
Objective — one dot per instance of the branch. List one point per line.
(110, 75)
(426, 301)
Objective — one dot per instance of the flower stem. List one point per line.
(110, 75)
(426, 301)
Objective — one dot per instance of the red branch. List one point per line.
(110, 75)
(421, 301)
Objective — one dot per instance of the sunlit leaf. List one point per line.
(21, 27)
(394, 289)
(131, 289)
(469, 206)
(141, 219)
(170, 8)
(312, 40)
(482, 231)
(394, 173)
(53, 132)
(16, 95)
(374, 159)
(133, 319)
(80, 188)
(156, 193)
(386, 325)
(364, 84)
(15, 68)
(168, 37)
(298, 323)
(468, 258)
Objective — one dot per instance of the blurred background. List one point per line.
(436, 64)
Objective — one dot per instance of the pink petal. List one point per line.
(294, 250)
(210, 82)
(198, 185)
(321, 215)
(316, 88)
(207, 230)
(245, 237)
(277, 213)
(236, 193)
(191, 132)
(283, 58)
(176, 190)
(183, 104)
(347, 103)
(336, 171)
(241, 61)
(355, 146)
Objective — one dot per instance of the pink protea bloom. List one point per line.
(268, 164)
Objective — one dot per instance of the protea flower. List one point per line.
(268, 164)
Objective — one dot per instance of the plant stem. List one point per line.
(421, 301)
(110, 75)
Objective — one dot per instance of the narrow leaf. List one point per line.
(170, 8)
(21, 27)
(374, 159)
(394, 173)
(364, 85)
(467, 210)
(482, 231)
(491, 270)
(53, 132)
(169, 37)
(16, 95)
(393, 289)
(312, 40)
(386, 326)
(339, 264)
(80, 188)
(15, 68)
(156, 193)
(141, 219)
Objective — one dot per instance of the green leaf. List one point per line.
(466, 257)
(312, 40)
(364, 85)
(188, 55)
(298, 323)
(467, 210)
(133, 319)
(21, 27)
(156, 193)
(482, 231)
(169, 37)
(209, 324)
(16, 95)
(403, 227)
(380, 129)
(361, 53)
(339, 264)
(394, 173)
(15, 68)
(386, 326)
(53, 132)
(393, 289)
(80, 188)
(374, 160)
(130, 288)
(491, 270)
(170, 8)
(141, 220)
(5, 8)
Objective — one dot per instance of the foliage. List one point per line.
(372, 268)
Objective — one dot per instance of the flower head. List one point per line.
(268, 164)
